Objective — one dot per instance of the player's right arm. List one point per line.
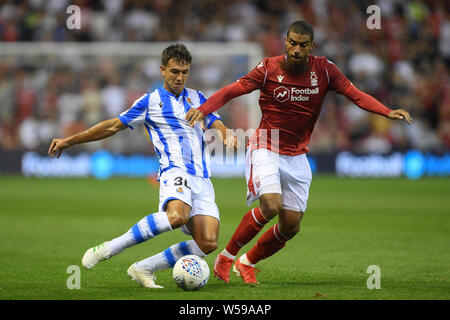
(132, 117)
(252, 81)
(99, 131)
(215, 102)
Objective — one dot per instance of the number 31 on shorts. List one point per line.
(179, 181)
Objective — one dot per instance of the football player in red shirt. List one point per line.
(292, 88)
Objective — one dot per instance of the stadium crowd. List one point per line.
(404, 65)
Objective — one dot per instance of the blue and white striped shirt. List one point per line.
(176, 143)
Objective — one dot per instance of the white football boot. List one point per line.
(94, 255)
(145, 278)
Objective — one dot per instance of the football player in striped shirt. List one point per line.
(187, 199)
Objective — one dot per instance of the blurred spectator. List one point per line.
(92, 102)
(113, 97)
(404, 65)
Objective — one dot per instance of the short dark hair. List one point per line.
(178, 52)
(301, 27)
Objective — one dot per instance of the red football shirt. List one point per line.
(290, 103)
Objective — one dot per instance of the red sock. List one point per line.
(269, 243)
(252, 222)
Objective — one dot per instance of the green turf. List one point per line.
(399, 225)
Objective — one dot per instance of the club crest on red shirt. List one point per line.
(313, 78)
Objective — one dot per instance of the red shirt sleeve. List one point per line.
(256, 78)
(340, 84)
(365, 101)
(248, 83)
(218, 99)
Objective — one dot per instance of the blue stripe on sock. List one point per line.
(169, 257)
(137, 234)
(184, 248)
(152, 224)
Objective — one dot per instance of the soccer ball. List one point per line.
(191, 272)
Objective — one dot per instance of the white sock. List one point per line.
(167, 258)
(227, 254)
(243, 259)
(154, 263)
(147, 228)
(117, 245)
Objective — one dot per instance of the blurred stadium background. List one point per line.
(55, 81)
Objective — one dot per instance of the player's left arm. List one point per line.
(226, 134)
(369, 103)
(342, 85)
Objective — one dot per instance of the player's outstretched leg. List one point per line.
(143, 271)
(203, 228)
(252, 222)
(269, 243)
(147, 228)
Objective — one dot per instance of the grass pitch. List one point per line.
(399, 225)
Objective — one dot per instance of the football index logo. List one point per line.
(281, 94)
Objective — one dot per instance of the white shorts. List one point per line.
(196, 192)
(269, 172)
